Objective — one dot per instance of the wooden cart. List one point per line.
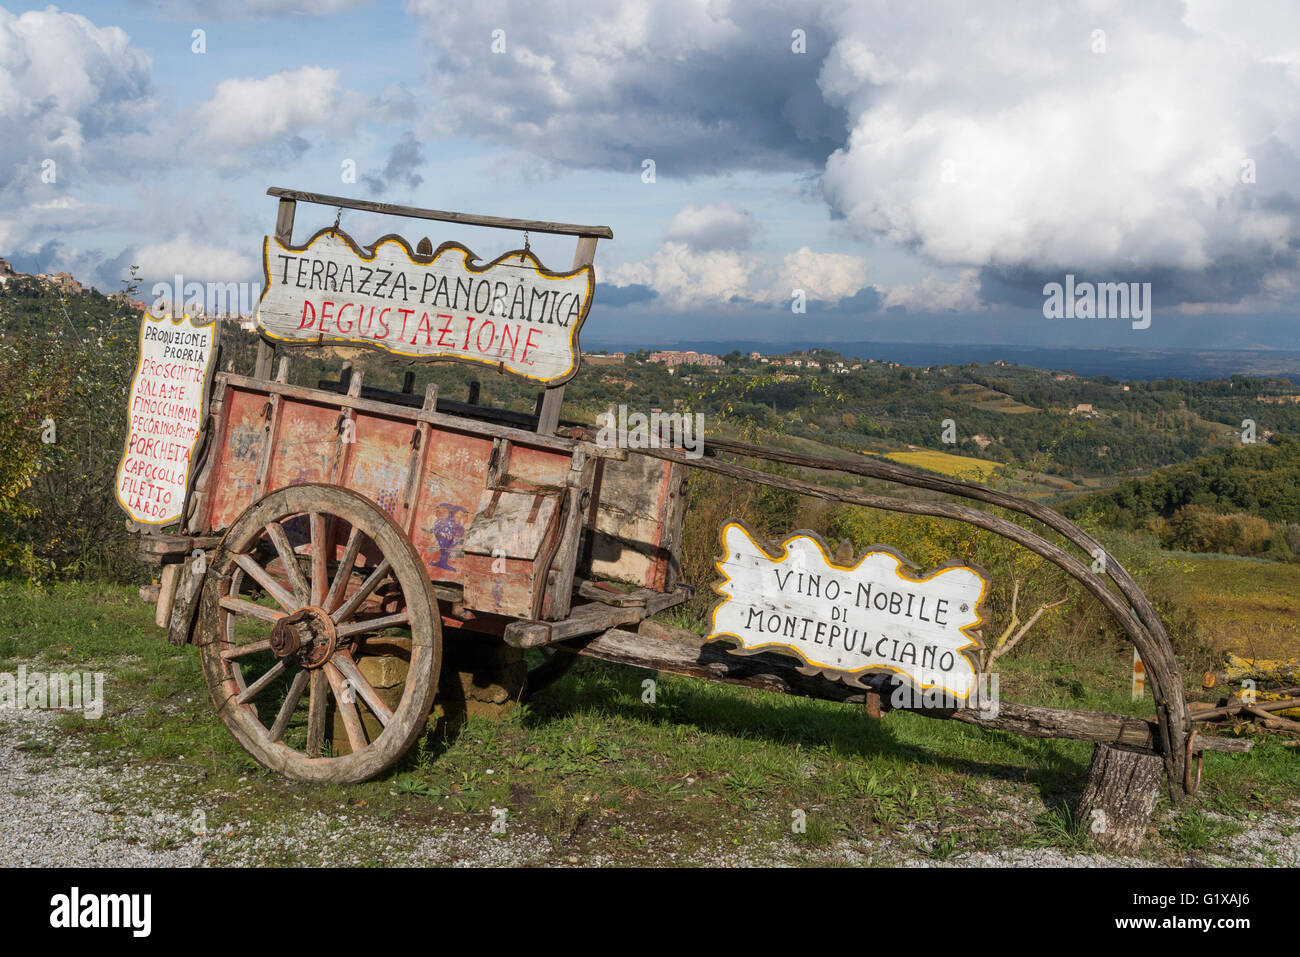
(335, 534)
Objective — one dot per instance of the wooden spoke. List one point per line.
(275, 532)
(319, 576)
(346, 703)
(260, 684)
(290, 705)
(372, 624)
(241, 607)
(316, 714)
(252, 648)
(361, 594)
(263, 578)
(364, 689)
(344, 572)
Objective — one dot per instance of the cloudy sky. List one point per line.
(920, 170)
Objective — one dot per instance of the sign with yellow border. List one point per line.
(165, 417)
(512, 313)
(849, 621)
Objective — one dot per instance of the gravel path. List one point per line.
(58, 807)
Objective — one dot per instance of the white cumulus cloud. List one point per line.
(246, 112)
(685, 277)
(195, 259)
(1054, 136)
(718, 225)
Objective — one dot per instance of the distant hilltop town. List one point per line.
(66, 285)
(61, 281)
(675, 358)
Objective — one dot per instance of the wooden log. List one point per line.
(1119, 796)
(1237, 669)
(1281, 704)
(1272, 721)
(660, 647)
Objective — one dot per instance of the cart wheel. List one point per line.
(324, 574)
(556, 663)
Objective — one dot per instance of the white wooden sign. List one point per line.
(849, 621)
(511, 313)
(165, 415)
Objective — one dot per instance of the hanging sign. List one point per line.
(512, 313)
(849, 621)
(165, 415)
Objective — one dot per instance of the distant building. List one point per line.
(756, 356)
(1083, 408)
(64, 283)
(674, 358)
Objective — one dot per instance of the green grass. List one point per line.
(591, 767)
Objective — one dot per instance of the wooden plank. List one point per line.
(584, 620)
(213, 431)
(548, 418)
(185, 604)
(439, 419)
(564, 565)
(488, 413)
(162, 612)
(284, 220)
(262, 365)
(464, 219)
(271, 432)
(588, 620)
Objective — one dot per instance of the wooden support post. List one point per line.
(265, 354)
(1119, 796)
(548, 420)
(474, 387)
(284, 235)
